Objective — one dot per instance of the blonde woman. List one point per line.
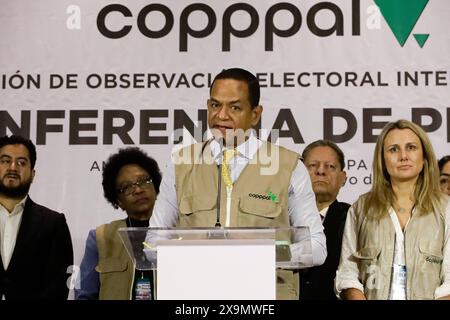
(395, 243)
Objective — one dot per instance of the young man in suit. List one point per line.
(35, 242)
(325, 163)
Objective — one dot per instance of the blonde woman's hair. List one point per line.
(427, 195)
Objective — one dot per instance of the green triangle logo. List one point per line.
(401, 16)
(421, 39)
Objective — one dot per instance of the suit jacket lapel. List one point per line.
(329, 216)
(25, 235)
(335, 213)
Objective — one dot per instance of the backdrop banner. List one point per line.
(85, 78)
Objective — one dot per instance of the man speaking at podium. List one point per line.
(250, 193)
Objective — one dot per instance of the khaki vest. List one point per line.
(251, 204)
(424, 242)
(115, 268)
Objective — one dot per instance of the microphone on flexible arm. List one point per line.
(219, 232)
(219, 182)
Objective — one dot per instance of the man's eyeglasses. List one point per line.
(128, 188)
(444, 180)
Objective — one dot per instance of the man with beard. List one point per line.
(35, 242)
(325, 163)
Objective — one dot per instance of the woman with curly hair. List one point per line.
(131, 182)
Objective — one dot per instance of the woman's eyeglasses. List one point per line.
(130, 187)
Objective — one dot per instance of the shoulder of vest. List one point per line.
(191, 149)
(361, 199)
(112, 226)
(105, 233)
(286, 152)
(284, 149)
(357, 207)
(445, 205)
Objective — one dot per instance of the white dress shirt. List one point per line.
(301, 202)
(323, 213)
(9, 227)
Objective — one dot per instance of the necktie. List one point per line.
(227, 156)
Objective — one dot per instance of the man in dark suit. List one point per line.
(325, 163)
(35, 242)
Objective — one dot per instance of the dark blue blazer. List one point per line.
(43, 251)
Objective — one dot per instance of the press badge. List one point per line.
(398, 282)
(143, 289)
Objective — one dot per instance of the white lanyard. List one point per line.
(399, 272)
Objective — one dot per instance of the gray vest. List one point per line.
(424, 241)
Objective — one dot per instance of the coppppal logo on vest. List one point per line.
(270, 196)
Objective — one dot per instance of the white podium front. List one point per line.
(216, 270)
(218, 263)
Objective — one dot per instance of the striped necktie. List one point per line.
(226, 175)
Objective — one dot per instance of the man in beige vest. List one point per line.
(253, 192)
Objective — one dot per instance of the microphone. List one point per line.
(219, 183)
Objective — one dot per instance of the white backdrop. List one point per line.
(150, 86)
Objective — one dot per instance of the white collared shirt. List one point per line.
(9, 227)
(323, 213)
(245, 153)
(302, 206)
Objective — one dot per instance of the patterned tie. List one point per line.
(227, 156)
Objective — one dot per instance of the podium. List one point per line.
(217, 263)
